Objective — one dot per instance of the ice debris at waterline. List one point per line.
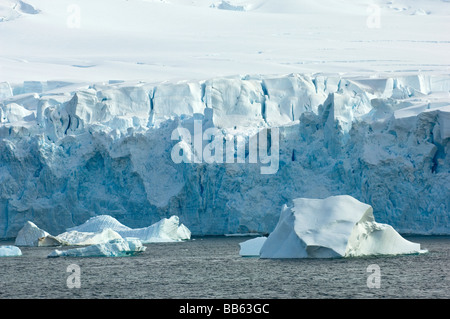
(10, 251)
(102, 229)
(337, 226)
(114, 248)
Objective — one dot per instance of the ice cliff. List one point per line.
(71, 151)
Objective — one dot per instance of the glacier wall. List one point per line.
(72, 151)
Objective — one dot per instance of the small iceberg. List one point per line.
(32, 236)
(114, 248)
(10, 251)
(166, 230)
(337, 226)
(29, 235)
(102, 229)
(252, 247)
(78, 238)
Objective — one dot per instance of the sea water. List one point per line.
(211, 267)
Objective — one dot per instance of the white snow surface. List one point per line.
(114, 248)
(91, 92)
(10, 251)
(99, 223)
(101, 230)
(79, 238)
(337, 226)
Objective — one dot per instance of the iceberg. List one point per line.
(78, 238)
(10, 251)
(113, 248)
(252, 247)
(337, 226)
(99, 223)
(166, 230)
(103, 229)
(31, 235)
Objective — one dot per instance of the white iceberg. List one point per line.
(29, 235)
(166, 230)
(114, 248)
(10, 251)
(337, 226)
(32, 235)
(79, 238)
(252, 247)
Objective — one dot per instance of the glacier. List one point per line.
(29, 235)
(73, 151)
(337, 226)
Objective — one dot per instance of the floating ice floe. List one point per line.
(10, 251)
(166, 230)
(114, 248)
(337, 226)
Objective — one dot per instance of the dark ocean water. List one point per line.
(211, 267)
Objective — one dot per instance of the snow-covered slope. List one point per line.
(155, 41)
(101, 230)
(97, 98)
(29, 235)
(252, 247)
